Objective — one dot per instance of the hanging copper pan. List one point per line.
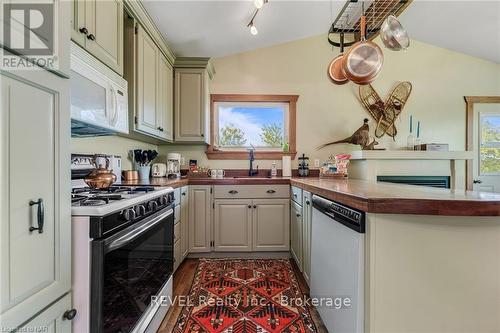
(335, 72)
(363, 61)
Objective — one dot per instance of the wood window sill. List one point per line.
(243, 155)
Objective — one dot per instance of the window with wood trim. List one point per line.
(265, 123)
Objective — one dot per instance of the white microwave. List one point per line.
(99, 99)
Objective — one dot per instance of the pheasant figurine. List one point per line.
(360, 137)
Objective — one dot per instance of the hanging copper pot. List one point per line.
(363, 61)
(335, 72)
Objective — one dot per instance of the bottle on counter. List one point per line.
(274, 170)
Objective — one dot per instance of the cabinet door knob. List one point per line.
(83, 30)
(91, 37)
(254, 206)
(249, 206)
(298, 215)
(202, 135)
(271, 191)
(70, 314)
(40, 215)
(184, 193)
(308, 202)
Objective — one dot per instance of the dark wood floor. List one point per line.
(183, 279)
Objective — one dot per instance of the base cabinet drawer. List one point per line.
(55, 319)
(251, 191)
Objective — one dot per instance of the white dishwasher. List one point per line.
(337, 265)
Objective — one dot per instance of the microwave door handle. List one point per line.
(136, 232)
(114, 115)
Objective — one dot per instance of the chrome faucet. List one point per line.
(251, 158)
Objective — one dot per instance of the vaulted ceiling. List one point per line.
(218, 28)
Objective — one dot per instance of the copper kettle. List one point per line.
(101, 177)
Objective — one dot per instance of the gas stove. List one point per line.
(85, 196)
(91, 202)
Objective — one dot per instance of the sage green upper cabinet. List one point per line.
(97, 26)
(165, 98)
(192, 105)
(149, 74)
(147, 77)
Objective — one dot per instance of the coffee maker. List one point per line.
(173, 165)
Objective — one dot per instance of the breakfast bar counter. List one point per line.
(368, 196)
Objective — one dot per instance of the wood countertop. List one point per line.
(368, 196)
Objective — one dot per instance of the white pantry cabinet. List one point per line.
(53, 319)
(35, 228)
(200, 218)
(97, 26)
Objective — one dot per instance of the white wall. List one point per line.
(326, 112)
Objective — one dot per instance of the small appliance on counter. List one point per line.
(159, 170)
(173, 165)
(303, 166)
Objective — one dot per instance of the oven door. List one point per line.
(128, 268)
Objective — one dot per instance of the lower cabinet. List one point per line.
(184, 222)
(55, 319)
(271, 225)
(233, 225)
(306, 235)
(200, 218)
(296, 233)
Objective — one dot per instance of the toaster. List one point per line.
(159, 170)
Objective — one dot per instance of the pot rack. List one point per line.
(346, 26)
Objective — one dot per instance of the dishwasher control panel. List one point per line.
(350, 217)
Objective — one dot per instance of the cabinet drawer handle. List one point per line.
(40, 215)
(271, 191)
(83, 30)
(70, 314)
(91, 37)
(233, 192)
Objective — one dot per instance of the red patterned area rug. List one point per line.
(245, 296)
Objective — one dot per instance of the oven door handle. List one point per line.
(137, 231)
